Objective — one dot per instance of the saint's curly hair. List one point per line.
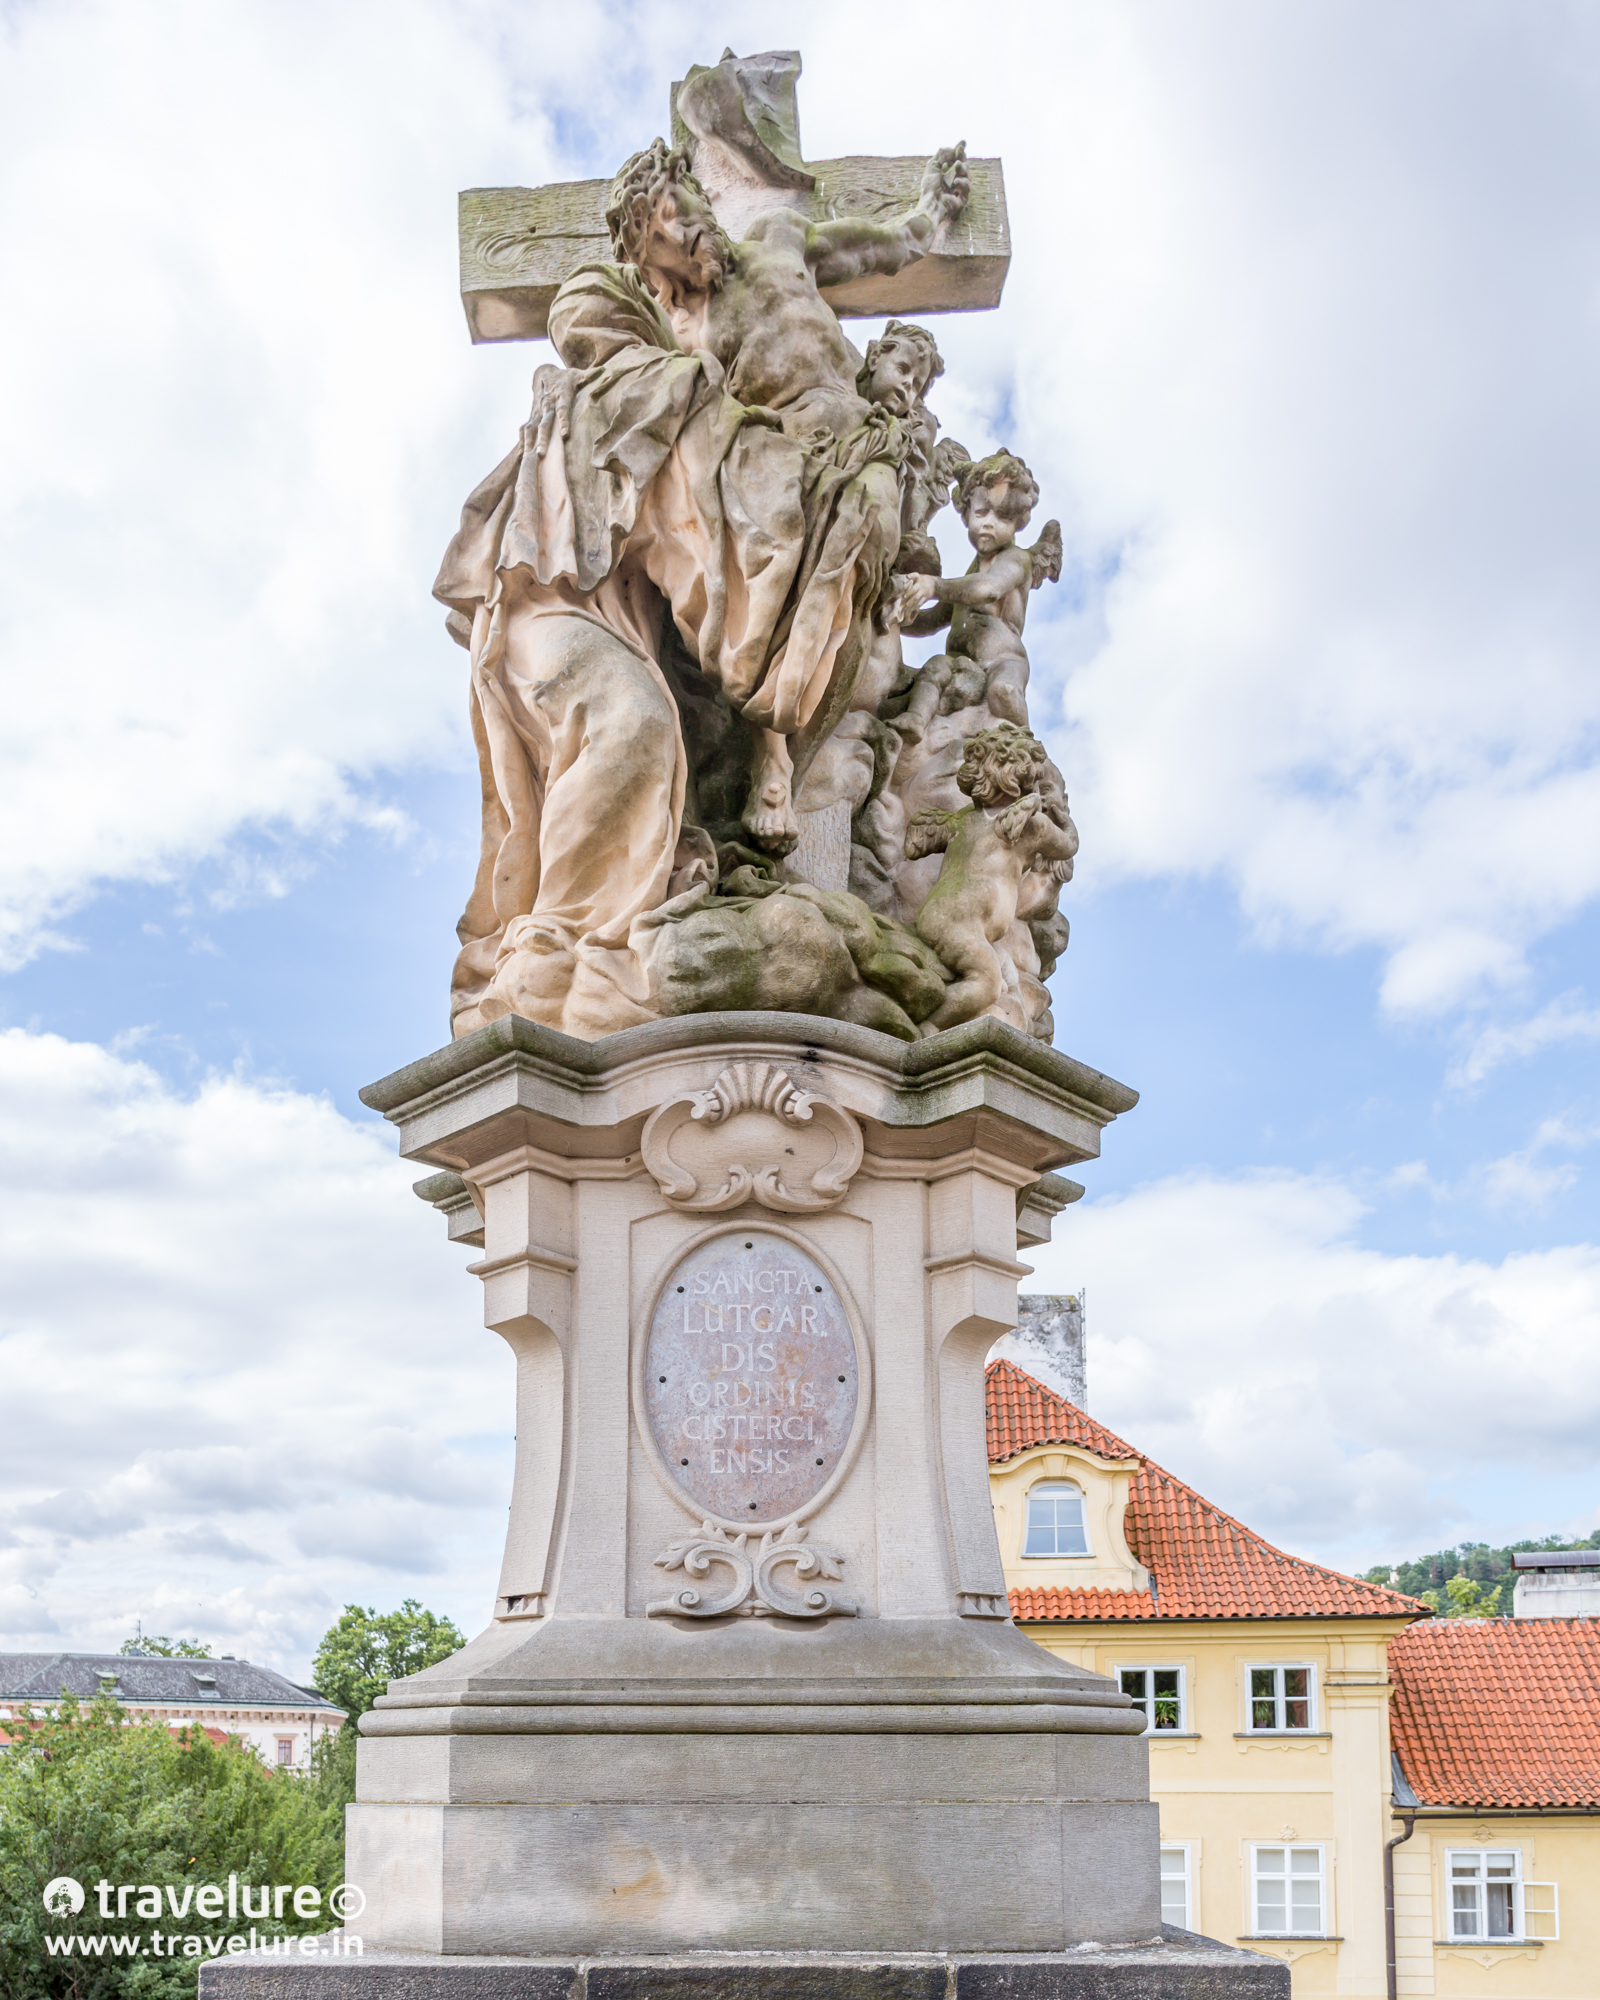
(637, 189)
(1003, 762)
(911, 335)
(1001, 468)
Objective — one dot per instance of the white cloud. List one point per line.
(242, 415)
(1314, 355)
(1522, 1178)
(246, 1377)
(1566, 1019)
(1299, 336)
(1335, 1398)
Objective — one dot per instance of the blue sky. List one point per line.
(1301, 340)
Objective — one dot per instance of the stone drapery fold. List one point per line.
(666, 497)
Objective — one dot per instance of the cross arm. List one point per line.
(518, 245)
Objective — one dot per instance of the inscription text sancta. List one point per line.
(750, 1377)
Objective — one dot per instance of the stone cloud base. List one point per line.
(1174, 1966)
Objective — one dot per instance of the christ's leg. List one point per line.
(769, 814)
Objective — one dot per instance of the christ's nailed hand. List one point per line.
(946, 183)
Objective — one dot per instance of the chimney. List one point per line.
(1048, 1341)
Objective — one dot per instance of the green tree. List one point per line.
(1462, 1598)
(362, 1651)
(159, 1647)
(87, 1792)
(1476, 1561)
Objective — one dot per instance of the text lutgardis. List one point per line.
(774, 1318)
(750, 1377)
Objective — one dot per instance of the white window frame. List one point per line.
(1324, 1879)
(1521, 1915)
(1536, 1915)
(1187, 1848)
(1281, 1700)
(1086, 1553)
(284, 1743)
(1181, 1727)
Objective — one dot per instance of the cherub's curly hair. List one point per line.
(637, 189)
(1001, 468)
(1003, 762)
(914, 336)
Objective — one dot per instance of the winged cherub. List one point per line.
(1017, 822)
(985, 609)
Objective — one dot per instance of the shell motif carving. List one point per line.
(755, 1135)
(752, 1589)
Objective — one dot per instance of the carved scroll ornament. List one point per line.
(752, 1588)
(755, 1135)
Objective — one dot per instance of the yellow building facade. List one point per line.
(1268, 1683)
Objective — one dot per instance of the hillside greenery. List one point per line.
(1472, 1581)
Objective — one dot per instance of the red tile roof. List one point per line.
(1022, 1412)
(1204, 1564)
(1499, 1711)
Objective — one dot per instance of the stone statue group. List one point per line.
(685, 594)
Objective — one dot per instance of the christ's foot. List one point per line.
(769, 815)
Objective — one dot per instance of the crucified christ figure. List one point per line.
(711, 450)
(754, 311)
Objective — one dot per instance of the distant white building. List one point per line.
(1557, 1583)
(225, 1697)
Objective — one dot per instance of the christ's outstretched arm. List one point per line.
(855, 247)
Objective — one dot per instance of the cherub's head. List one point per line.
(899, 367)
(995, 497)
(1001, 763)
(661, 221)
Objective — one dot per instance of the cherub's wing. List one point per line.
(929, 833)
(1046, 554)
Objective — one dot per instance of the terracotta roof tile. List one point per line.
(1499, 1711)
(1204, 1563)
(1022, 1412)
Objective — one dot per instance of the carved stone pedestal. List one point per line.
(751, 1682)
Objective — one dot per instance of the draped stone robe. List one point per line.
(667, 498)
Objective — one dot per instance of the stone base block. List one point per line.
(1175, 1966)
(927, 1874)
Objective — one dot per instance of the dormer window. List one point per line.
(1055, 1520)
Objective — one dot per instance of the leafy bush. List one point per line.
(89, 1793)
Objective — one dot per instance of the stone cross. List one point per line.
(740, 123)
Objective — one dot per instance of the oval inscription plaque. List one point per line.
(750, 1377)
